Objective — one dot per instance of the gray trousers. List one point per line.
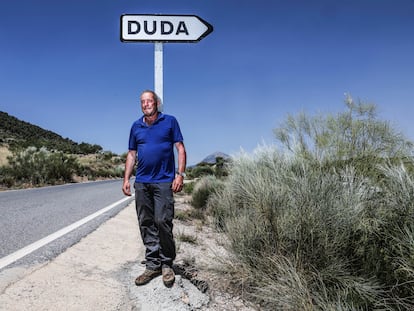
(154, 203)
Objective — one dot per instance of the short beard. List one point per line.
(151, 114)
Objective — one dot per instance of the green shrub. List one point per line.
(218, 169)
(203, 188)
(6, 177)
(182, 215)
(353, 134)
(183, 237)
(200, 170)
(189, 187)
(328, 226)
(190, 214)
(278, 207)
(40, 166)
(386, 239)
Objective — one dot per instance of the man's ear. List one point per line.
(159, 105)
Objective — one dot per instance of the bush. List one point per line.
(386, 239)
(6, 177)
(200, 171)
(323, 228)
(218, 169)
(40, 166)
(203, 188)
(189, 187)
(287, 211)
(355, 137)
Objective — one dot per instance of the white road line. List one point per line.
(7, 260)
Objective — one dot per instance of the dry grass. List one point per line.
(185, 237)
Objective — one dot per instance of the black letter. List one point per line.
(182, 28)
(154, 28)
(165, 32)
(138, 27)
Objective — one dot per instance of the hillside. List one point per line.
(31, 156)
(18, 134)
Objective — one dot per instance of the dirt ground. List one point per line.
(98, 273)
(204, 255)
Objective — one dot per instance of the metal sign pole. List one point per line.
(158, 73)
(165, 28)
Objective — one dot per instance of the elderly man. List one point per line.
(151, 142)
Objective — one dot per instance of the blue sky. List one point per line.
(64, 68)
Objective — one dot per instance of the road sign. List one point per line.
(163, 28)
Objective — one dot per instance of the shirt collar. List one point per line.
(159, 117)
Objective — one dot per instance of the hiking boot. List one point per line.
(147, 276)
(168, 276)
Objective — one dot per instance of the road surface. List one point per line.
(30, 215)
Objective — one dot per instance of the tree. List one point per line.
(353, 134)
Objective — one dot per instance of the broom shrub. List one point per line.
(323, 228)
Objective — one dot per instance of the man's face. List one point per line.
(148, 104)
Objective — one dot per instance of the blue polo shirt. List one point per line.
(155, 148)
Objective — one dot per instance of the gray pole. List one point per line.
(158, 73)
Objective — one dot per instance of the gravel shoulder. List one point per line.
(98, 273)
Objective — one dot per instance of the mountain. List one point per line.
(211, 159)
(16, 133)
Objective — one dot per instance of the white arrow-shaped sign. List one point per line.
(163, 28)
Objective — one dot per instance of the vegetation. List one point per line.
(183, 237)
(326, 223)
(101, 165)
(36, 167)
(203, 189)
(32, 156)
(355, 137)
(19, 135)
(218, 169)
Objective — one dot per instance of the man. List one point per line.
(152, 138)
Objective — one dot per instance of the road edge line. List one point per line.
(9, 259)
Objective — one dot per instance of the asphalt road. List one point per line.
(29, 215)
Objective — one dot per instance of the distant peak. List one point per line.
(211, 159)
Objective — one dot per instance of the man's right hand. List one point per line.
(126, 188)
(129, 165)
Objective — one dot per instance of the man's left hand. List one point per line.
(178, 183)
